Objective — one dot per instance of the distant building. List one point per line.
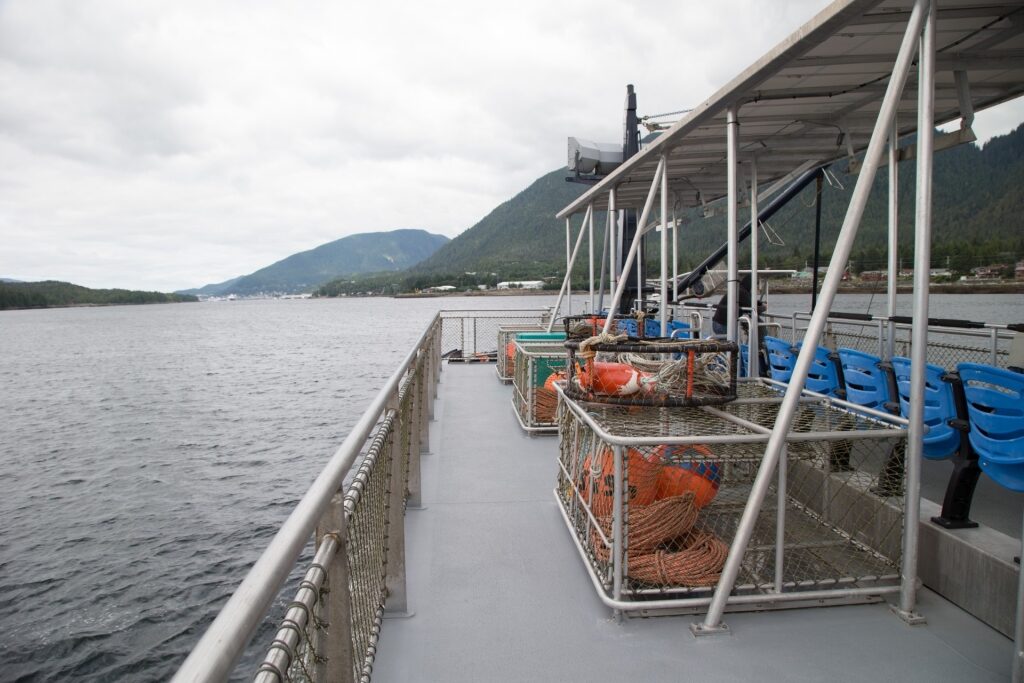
(441, 288)
(1018, 271)
(522, 284)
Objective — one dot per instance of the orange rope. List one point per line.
(545, 403)
(664, 547)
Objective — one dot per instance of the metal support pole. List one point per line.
(338, 613)
(732, 287)
(590, 239)
(567, 281)
(663, 304)
(894, 245)
(791, 399)
(754, 340)
(568, 264)
(919, 333)
(613, 226)
(604, 269)
(675, 256)
(635, 246)
(819, 185)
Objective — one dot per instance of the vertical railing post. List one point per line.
(412, 436)
(337, 642)
(429, 382)
(424, 414)
(438, 361)
(397, 603)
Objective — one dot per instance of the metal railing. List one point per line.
(354, 511)
(949, 342)
(476, 332)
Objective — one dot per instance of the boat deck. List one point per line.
(499, 592)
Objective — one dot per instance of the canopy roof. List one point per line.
(815, 97)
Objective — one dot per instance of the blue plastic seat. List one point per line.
(823, 376)
(781, 358)
(744, 359)
(943, 439)
(995, 404)
(866, 380)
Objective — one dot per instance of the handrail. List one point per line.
(216, 653)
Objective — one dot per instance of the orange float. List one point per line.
(599, 490)
(510, 354)
(613, 379)
(687, 468)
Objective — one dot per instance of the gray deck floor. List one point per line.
(499, 593)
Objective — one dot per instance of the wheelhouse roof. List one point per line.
(815, 97)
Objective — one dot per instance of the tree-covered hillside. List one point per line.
(369, 252)
(978, 219)
(519, 238)
(53, 293)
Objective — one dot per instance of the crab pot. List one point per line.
(583, 326)
(537, 366)
(506, 348)
(653, 498)
(658, 372)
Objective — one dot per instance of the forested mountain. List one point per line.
(369, 252)
(977, 215)
(53, 293)
(978, 219)
(519, 237)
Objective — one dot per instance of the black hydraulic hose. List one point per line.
(770, 210)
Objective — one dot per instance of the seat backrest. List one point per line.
(823, 376)
(995, 404)
(942, 439)
(781, 358)
(866, 381)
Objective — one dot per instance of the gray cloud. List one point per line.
(159, 145)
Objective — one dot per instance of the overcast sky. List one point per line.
(165, 145)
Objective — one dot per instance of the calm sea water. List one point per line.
(149, 453)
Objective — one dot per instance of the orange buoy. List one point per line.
(613, 379)
(687, 468)
(599, 490)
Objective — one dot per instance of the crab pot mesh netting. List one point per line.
(841, 500)
(584, 326)
(627, 371)
(537, 367)
(507, 348)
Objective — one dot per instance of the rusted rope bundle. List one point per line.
(698, 562)
(545, 400)
(664, 545)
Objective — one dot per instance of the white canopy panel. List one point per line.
(816, 95)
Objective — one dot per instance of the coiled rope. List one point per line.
(664, 545)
